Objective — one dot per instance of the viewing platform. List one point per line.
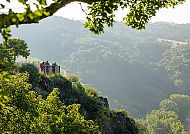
(49, 69)
(43, 68)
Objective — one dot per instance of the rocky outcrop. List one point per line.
(122, 124)
(94, 108)
(104, 101)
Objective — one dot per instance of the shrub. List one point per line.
(33, 73)
(73, 77)
(58, 79)
(90, 91)
(123, 111)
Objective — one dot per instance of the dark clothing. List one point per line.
(53, 67)
(47, 63)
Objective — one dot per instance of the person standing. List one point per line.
(54, 67)
(47, 67)
(47, 63)
(42, 66)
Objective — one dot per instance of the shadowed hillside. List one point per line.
(125, 65)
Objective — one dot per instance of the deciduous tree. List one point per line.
(10, 49)
(164, 122)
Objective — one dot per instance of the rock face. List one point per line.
(92, 107)
(121, 124)
(104, 101)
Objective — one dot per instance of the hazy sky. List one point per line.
(180, 14)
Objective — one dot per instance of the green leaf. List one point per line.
(20, 17)
(46, 13)
(13, 20)
(38, 13)
(22, 1)
(31, 16)
(8, 29)
(42, 2)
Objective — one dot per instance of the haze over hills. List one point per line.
(131, 67)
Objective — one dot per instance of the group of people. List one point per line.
(45, 67)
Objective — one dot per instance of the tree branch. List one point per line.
(100, 12)
(51, 9)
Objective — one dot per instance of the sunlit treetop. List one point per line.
(99, 12)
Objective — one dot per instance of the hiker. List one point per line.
(47, 67)
(47, 63)
(53, 67)
(42, 66)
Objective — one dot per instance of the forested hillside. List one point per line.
(35, 102)
(132, 68)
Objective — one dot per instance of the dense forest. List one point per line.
(34, 102)
(134, 69)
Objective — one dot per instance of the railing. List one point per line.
(48, 69)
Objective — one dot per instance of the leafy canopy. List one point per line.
(10, 49)
(99, 12)
(23, 111)
(34, 75)
(164, 122)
